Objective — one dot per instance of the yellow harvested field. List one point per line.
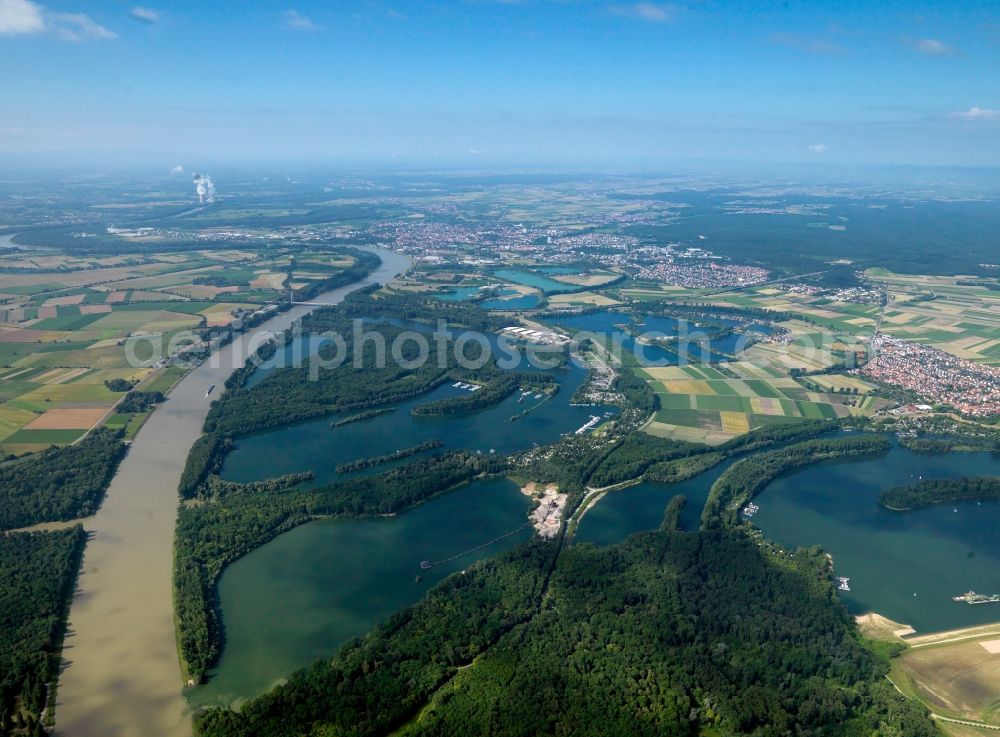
(59, 375)
(72, 299)
(13, 419)
(747, 370)
(95, 309)
(268, 280)
(688, 434)
(766, 406)
(129, 374)
(742, 389)
(735, 423)
(79, 278)
(667, 373)
(68, 419)
(836, 382)
(200, 291)
(218, 314)
(690, 386)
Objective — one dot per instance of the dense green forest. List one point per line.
(671, 472)
(37, 574)
(59, 483)
(635, 454)
(746, 478)
(404, 306)
(774, 434)
(222, 528)
(135, 401)
(937, 491)
(672, 515)
(496, 385)
(950, 444)
(493, 391)
(669, 633)
(364, 380)
(365, 262)
(205, 457)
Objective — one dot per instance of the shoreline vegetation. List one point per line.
(220, 529)
(939, 491)
(473, 655)
(38, 573)
(364, 463)
(412, 673)
(745, 479)
(59, 484)
(362, 416)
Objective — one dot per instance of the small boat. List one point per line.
(209, 390)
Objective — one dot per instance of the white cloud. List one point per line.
(818, 148)
(931, 47)
(77, 27)
(147, 15)
(651, 12)
(177, 169)
(295, 21)
(19, 17)
(977, 113)
(807, 44)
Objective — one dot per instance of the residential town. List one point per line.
(942, 378)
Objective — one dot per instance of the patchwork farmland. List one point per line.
(64, 323)
(701, 403)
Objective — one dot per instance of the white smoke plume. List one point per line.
(203, 187)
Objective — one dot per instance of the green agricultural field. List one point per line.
(44, 437)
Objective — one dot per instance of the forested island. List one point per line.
(938, 491)
(362, 416)
(363, 463)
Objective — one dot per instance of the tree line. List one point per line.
(748, 477)
(938, 491)
(364, 463)
(61, 483)
(223, 528)
(668, 633)
(37, 575)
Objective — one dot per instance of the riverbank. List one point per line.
(121, 674)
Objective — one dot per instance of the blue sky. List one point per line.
(484, 81)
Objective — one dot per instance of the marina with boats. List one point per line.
(971, 597)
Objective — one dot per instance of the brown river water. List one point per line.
(121, 675)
